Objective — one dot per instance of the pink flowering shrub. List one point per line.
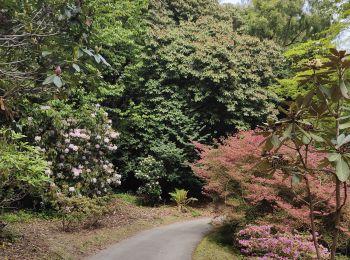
(78, 144)
(231, 170)
(273, 242)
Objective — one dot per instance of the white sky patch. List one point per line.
(230, 1)
(342, 41)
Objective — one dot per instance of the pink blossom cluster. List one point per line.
(273, 242)
(80, 133)
(79, 150)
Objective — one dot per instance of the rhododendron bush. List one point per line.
(150, 172)
(274, 242)
(78, 143)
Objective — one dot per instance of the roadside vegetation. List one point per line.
(29, 235)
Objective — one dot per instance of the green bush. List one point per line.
(23, 169)
(81, 211)
(150, 172)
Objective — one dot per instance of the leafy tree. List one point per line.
(288, 87)
(289, 21)
(45, 50)
(169, 12)
(198, 80)
(298, 54)
(222, 75)
(319, 119)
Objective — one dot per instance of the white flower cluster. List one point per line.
(81, 150)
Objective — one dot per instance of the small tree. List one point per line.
(316, 123)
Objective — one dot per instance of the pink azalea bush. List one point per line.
(78, 144)
(273, 242)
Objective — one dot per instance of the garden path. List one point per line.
(172, 242)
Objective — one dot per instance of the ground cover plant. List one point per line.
(275, 242)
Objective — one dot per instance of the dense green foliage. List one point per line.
(201, 79)
(23, 170)
(290, 21)
(114, 95)
(167, 73)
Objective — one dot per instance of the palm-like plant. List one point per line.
(180, 197)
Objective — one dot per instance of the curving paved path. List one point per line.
(172, 242)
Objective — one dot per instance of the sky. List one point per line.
(230, 1)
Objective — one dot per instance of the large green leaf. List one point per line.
(306, 139)
(342, 170)
(275, 140)
(308, 98)
(57, 81)
(288, 132)
(344, 90)
(334, 157)
(49, 80)
(317, 138)
(344, 126)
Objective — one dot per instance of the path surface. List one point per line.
(171, 242)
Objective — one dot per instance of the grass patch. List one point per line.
(195, 213)
(126, 197)
(214, 246)
(24, 216)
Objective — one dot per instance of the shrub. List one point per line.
(76, 211)
(78, 142)
(181, 199)
(150, 172)
(273, 242)
(23, 171)
(232, 176)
